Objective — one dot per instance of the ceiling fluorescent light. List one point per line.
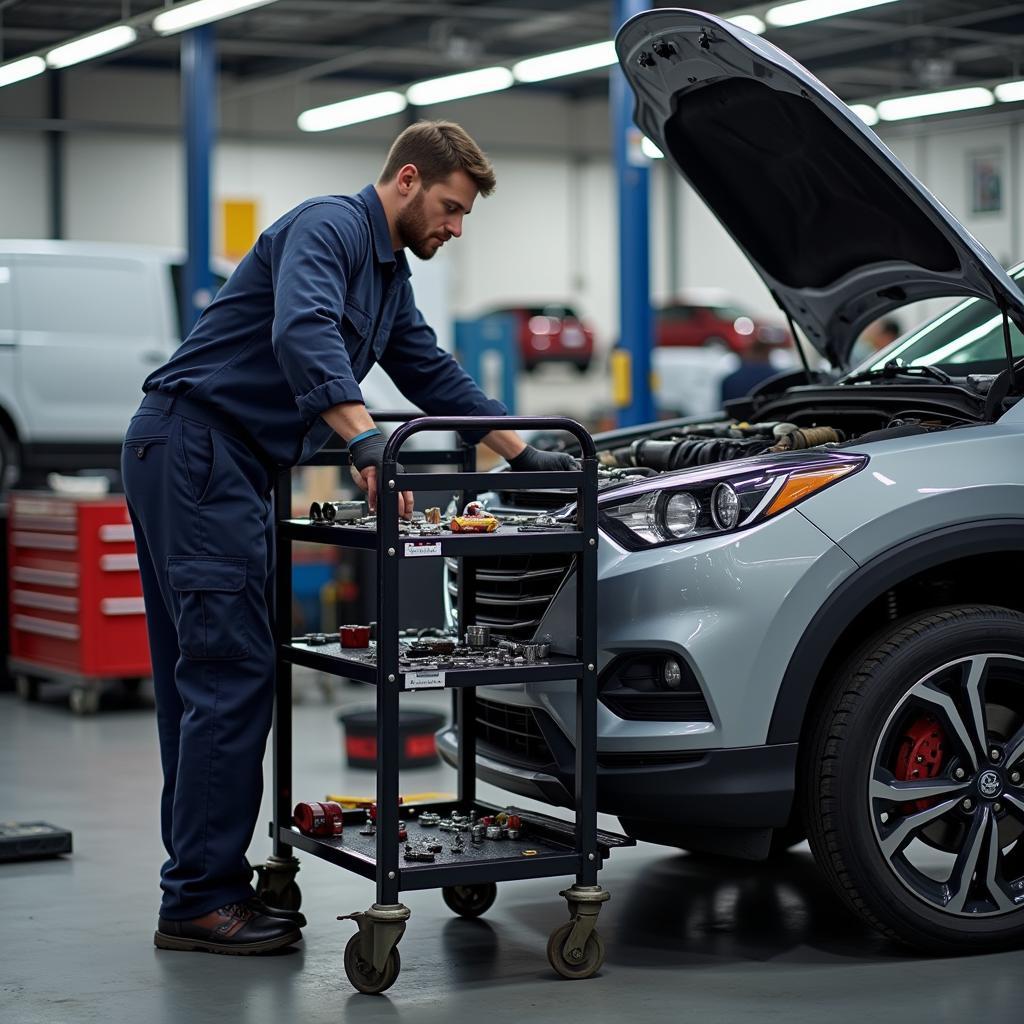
(201, 12)
(19, 70)
(803, 11)
(650, 150)
(866, 113)
(1008, 92)
(457, 87)
(934, 103)
(750, 22)
(362, 108)
(91, 46)
(566, 62)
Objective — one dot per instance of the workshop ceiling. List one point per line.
(901, 47)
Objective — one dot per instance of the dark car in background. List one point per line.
(550, 334)
(713, 325)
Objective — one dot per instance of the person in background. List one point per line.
(755, 366)
(877, 335)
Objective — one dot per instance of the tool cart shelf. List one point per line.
(548, 846)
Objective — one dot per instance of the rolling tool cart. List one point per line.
(538, 846)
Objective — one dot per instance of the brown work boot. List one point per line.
(235, 929)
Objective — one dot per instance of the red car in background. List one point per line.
(550, 334)
(713, 325)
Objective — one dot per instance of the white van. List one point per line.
(81, 326)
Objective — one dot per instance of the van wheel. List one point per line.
(914, 781)
(10, 460)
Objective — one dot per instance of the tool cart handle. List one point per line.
(406, 430)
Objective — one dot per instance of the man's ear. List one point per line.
(406, 180)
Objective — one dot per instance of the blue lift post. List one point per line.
(199, 113)
(632, 369)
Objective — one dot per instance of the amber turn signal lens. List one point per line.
(803, 485)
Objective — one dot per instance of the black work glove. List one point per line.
(366, 456)
(369, 452)
(533, 460)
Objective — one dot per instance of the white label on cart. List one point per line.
(422, 549)
(424, 680)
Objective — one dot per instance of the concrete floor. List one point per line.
(686, 939)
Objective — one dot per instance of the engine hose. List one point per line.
(808, 437)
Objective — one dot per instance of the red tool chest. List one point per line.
(75, 596)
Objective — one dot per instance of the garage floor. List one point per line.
(687, 940)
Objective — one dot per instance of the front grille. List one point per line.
(658, 707)
(513, 732)
(512, 591)
(536, 500)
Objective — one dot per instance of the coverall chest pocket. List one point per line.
(210, 605)
(355, 324)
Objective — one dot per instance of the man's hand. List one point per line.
(367, 455)
(533, 460)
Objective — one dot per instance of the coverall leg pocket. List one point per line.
(211, 607)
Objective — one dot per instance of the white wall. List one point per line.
(23, 189)
(549, 232)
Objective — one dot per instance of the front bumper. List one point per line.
(749, 787)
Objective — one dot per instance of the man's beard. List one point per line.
(412, 229)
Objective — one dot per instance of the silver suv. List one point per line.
(810, 615)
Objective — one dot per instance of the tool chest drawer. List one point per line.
(74, 592)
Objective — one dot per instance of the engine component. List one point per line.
(319, 818)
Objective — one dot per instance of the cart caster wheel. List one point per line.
(84, 700)
(590, 958)
(362, 975)
(276, 885)
(284, 897)
(470, 900)
(27, 688)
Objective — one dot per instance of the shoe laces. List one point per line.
(239, 910)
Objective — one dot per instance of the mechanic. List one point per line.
(270, 370)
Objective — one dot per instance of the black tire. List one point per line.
(581, 368)
(952, 678)
(363, 976)
(592, 959)
(470, 900)
(10, 460)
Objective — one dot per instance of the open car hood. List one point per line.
(837, 227)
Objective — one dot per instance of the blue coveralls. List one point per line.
(321, 297)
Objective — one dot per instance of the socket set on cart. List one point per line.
(479, 650)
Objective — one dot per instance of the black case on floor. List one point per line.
(23, 840)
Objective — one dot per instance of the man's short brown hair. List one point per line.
(438, 149)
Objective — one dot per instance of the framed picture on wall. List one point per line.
(986, 179)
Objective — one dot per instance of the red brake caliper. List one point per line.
(920, 756)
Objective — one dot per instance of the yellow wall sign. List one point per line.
(238, 223)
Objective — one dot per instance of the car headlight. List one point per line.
(717, 500)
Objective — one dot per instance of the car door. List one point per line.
(90, 328)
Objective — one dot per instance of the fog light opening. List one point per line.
(671, 674)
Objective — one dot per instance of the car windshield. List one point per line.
(970, 332)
